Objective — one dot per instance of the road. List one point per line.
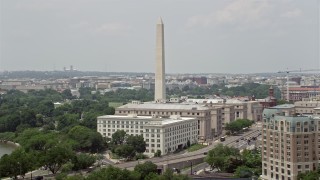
(230, 141)
(195, 168)
(184, 156)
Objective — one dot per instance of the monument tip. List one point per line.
(160, 21)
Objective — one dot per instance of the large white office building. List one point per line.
(164, 134)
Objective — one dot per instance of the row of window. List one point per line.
(121, 126)
(122, 122)
(160, 113)
(153, 145)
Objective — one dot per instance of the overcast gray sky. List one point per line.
(212, 36)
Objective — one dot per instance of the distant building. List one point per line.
(269, 101)
(307, 105)
(201, 113)
(298, 93)
(164, 134)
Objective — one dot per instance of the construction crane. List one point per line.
(294, 71)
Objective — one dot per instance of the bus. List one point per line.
(222, 139)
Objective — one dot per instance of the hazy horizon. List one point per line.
(223, 36)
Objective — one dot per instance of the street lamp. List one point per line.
(20, 167)
(191, 168)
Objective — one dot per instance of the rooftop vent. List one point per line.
(155, 116)
(132, 115)
(136, 102)
(175, 117)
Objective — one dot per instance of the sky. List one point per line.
(201, 36)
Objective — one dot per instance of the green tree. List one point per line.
(118, 137)
(169, 175)
(17, 163)
(125, 150)
(112, 173)
(145, 169)
(137, 142)
(311, 175)
(221, 157)
(157, 154)
(67, 94)
(56, 156)
(67, 120)
(83, 161)
(86, 139)
(233, 127)
(243, 172)
(238, 125)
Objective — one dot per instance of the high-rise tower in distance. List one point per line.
(160, 85)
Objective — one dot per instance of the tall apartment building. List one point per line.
(290, 143)
(164, 134)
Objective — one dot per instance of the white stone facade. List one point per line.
(164, 134)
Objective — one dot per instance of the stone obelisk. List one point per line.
(160, 85)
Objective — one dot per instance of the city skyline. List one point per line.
(209, 37)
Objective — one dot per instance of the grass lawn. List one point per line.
(195, 147)
(115, 104)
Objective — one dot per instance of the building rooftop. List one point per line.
(157, 121)
(283, 106)
(216, 101)
(303, 89)
(172, 106)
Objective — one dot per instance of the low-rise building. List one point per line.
(164, 134)
(306, 105)
(200, 112)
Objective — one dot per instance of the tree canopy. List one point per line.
(229, 159)
(127, 146)
(238, 125)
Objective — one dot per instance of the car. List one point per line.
(205, 153)
(242, 138)
(237, 140)
(38, 178)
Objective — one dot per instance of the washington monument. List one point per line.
(160, 85)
